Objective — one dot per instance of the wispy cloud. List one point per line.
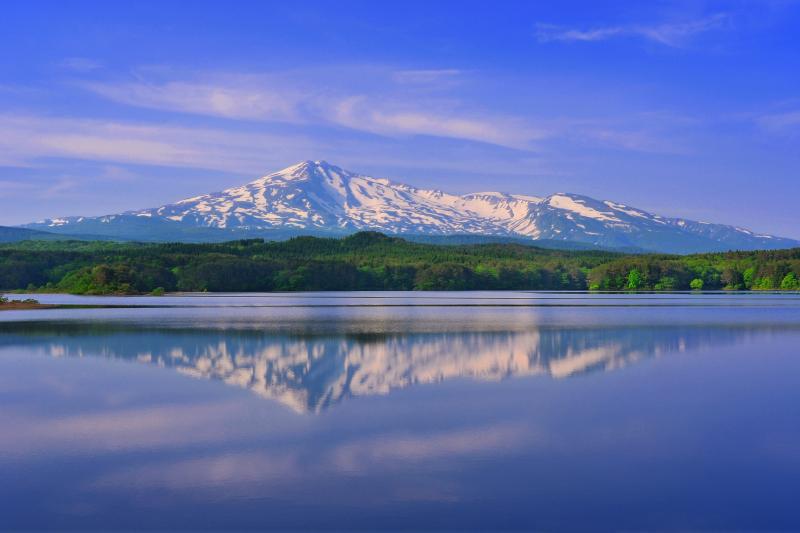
(25, 138)
(384, 106)
(780, 122)
(38, 142)
(14, 187)
(273, 119)
(60, 187)
(392, 118)
(239, 98)
(426, 76)
(674, 34)
(56, 189)
(274, 98)
(80, 64)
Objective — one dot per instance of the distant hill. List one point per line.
(10, 234)
(492, 239)
(134, 229)
(14, 234)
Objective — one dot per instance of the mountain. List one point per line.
(10, 234)
(315, 197)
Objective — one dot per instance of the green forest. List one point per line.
(373, 261)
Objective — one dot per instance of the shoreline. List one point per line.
(18, 306)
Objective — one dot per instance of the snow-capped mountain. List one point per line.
(319, 198)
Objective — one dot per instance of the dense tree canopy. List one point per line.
(372, 261)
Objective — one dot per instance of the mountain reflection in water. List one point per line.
(310, 372)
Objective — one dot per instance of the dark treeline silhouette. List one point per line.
(372, 261)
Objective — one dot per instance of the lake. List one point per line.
(475, 410)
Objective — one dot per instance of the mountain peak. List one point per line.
(302, 171)
(312, 165)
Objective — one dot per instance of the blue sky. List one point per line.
(681, 108)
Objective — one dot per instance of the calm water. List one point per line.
(506, 410)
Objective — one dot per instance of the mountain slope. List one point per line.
(11, 234)
(314, 197)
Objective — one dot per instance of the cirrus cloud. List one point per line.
(26, 138)
(389, 103)
(673, 34)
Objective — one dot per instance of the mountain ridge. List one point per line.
(320, 198)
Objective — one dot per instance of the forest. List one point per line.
(373, 261)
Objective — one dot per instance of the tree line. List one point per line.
(373, 261)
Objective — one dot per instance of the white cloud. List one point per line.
(391, 118)
(385, 106)
(30, 137)
(550, 32)
(391, 105)
(28, 140)
(60, 187)
(80, 64)
(780, 121)
(255, 100)
(425, 76)
(636, 140)
(273, 98)
(672, 34)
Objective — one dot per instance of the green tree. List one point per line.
(635, 280)
(790, 282)
(696, 284)
(763, 284)
(666, 283)
(749, 277)
(445, 277)
(732, 279)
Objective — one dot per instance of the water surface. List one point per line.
(508, 410)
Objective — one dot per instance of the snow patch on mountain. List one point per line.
(568, 203)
